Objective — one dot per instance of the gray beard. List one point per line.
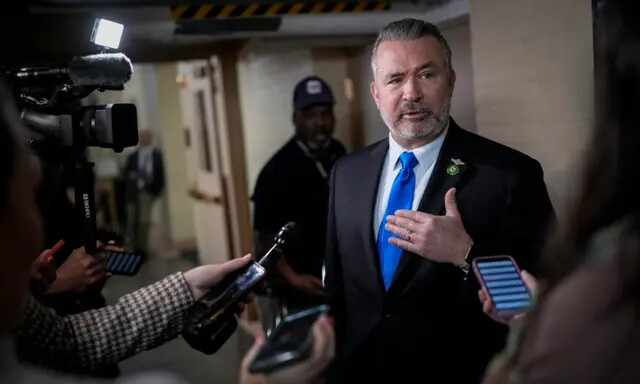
(434, 125)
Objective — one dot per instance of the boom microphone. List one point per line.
(99, 70)
(102, 69)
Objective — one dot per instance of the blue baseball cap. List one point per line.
(310, 91)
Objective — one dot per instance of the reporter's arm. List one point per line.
(139, 321)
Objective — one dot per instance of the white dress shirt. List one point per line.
(145, 165)
(426, 155)
(145, 160)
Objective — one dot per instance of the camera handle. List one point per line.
(85, 205)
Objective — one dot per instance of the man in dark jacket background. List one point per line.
(144, 175)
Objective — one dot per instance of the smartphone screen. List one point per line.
(289, 343)
(123, 263)
(501, 279)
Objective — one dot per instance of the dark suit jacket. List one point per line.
(430, 322)
(155, 185)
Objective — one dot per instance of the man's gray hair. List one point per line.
(410, 29)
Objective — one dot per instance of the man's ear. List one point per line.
(374, 94)
(452, 79)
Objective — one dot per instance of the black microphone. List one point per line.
(99, 70)
(211, 320)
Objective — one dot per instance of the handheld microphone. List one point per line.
(211, 320)
(99, 70)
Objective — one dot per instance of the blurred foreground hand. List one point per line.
(308, 371)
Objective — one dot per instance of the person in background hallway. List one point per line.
(585, 326)
(144, 173)
(294, 186)
(140, 320)
(408, 214)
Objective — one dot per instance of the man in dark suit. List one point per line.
(144, 174)
(404, 302)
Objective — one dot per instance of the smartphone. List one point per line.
(289, 343)
(500, 279)
(123, 263)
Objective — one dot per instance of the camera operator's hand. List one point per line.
(202, 279)
(44, 268)
(79, 272)
(308, 371)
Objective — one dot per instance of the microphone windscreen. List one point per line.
(289, 237)
(102, 69)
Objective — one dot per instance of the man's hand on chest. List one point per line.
(442, 239)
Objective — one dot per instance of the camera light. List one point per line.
(107, 33)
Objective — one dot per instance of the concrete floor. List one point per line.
(177, 356)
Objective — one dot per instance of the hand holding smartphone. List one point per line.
(290, 343)
(502, 283)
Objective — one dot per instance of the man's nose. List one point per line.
(320, 127)
(411, 90)
(318, 122)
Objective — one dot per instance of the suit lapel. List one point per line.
(370, 180)
(448, 171)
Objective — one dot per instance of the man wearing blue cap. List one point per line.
(294, 186)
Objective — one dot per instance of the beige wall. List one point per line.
(180, 207)
(463, 105)
(331, 65)
(533, 81)
(373, 127)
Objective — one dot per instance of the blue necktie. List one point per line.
(401, 197)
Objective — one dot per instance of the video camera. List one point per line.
(50, 101)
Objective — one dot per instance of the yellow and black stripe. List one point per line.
(224, 11)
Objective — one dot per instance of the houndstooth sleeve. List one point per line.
(139, 321)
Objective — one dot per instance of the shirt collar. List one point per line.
(145, 151)
(303, 147)
(423, 154)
